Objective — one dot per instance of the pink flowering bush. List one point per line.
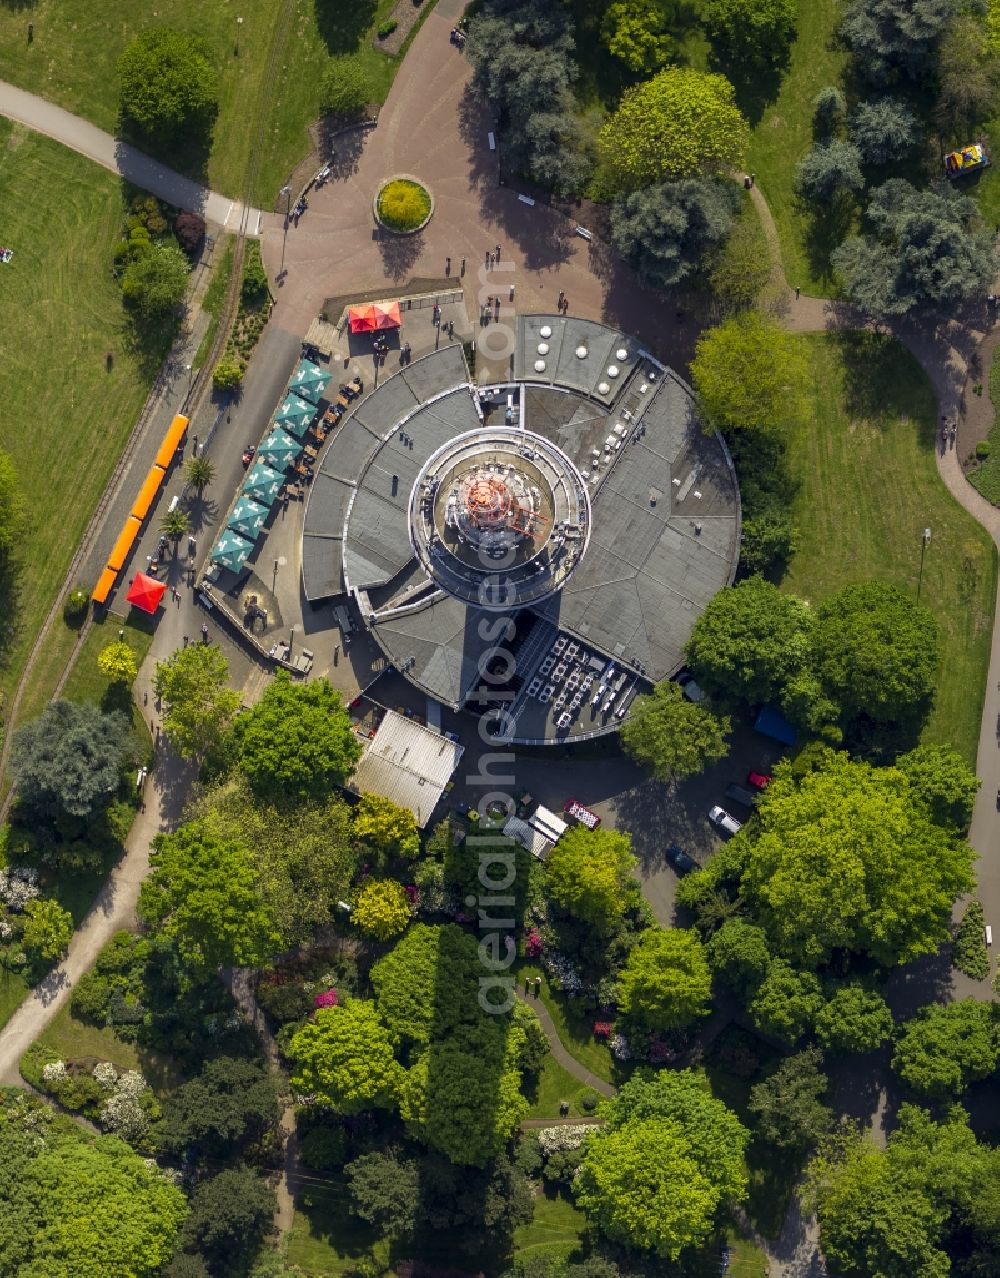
(602, 1030)
(328, 998)
(412, 893)
(533, 944)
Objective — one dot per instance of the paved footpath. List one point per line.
(124, 159)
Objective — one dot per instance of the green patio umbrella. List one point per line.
(247, 517)
(279, 449)
(295, 415)
(263, 484)
(309, 381)
(231, 550)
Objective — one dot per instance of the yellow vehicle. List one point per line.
(970, 159)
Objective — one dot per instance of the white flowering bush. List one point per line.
(54, 1073)
(131, 1083)
(557, 1140)
(123, 1115)
(620, 1048)
(18, 886)
(6, 928)
(106, 1074)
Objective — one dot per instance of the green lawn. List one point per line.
(76, 44)
(13, 988)
(555, 1085)
(575, 1032)
(69, 1037)
(65, 416)
(868, 488)
(215, 296)
(557, 1224)
(782, 136)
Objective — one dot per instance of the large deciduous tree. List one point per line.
(928, 251)
(787, 1002)
(385, 827)
(672, 736)
(876, 651)
(69, 760)
(635, 31)
(665, 232)
(680, 123)
(303, 856)
(231, 1214)
(199, 705)
(343, 1057)
(670, 1157)
(750, 641)
(894, 39)
(946, 1047)
(48, 929)
(666, 982)
(589, 874)
(968, 71)
(749, 374)
(754, 33)
(739, 954)
(854, 1019)
(296, 743)
(168, 86)
(203, 893)
(155, 283)
(788, 1105)
(229, 1105)
(940, 778)
(846, 859)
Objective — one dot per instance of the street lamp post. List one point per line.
(236, 47)
(286, 191)
(925, 541)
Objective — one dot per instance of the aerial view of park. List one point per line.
(499, 665)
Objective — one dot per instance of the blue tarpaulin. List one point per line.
(772, 723)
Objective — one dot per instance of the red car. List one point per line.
(759, 780)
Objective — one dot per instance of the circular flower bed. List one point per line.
(403, 205)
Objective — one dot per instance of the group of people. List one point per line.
(948, 432)
(562, 305)
(492, 259)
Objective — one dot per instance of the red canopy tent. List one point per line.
(374, 316)
(145, 592)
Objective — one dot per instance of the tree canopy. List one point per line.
(788, 1105)
(883, 130)
(589, 873)
(894, 39)
(940, 778)
(665, 232)
(296, 743)
(738, 953)
(854, 1019)
(385, 827)
(11, 508)
(347, 87)
(154, 283)
(680, 123)
(751, 32)
(787, 1002)
(672, 736)
(230, 1104)
(343, 1057)
(168, 86)
(635, 32)
(876, 651)
(748, 375)
(73, 1206)
(48, 929)
(828, 169)
(666, 982)
(230, 1215)
(303, 856)
(199, 705)
(203, 893)
(945, 1047)
(381, 908)
(749, 642)
(845, 859)
(927, 251)
(117, 663)
(69, 759)
(670, 1156)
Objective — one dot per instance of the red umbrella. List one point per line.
(374, 316)
(145, 592)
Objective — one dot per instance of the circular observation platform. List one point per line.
(499, 517)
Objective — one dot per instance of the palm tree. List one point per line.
(174, 524)
(199, 473)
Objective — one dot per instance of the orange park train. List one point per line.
(147, 493)
(968, 159)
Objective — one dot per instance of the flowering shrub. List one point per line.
(562, 971)
(106, 1074)
(381, 909)
(131, 1083)
(412, 894)
(124, 1115)
(556, 1140)
(54, 1073)
(620, 1049)
(6, 929)
(18, 886)
(602, 1030)
(660, 1053)
(533, 944)
(328, 998)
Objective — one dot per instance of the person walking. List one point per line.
(463, 265)
(497, 256)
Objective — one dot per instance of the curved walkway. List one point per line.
(569, 1063)
(124, 159)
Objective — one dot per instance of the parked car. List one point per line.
(680, 860)
(691, 690)
(740, 794)
(759, 780)
(721, 818)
